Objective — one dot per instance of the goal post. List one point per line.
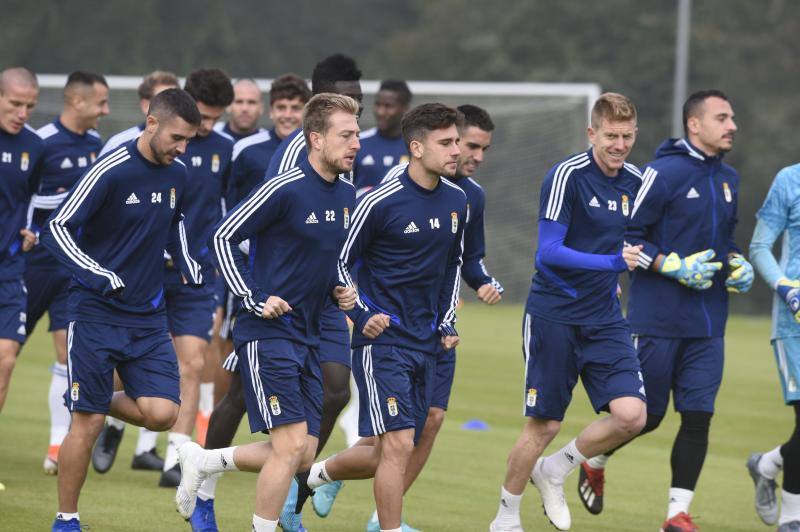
(536, 125)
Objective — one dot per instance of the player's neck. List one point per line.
(238, 131)
(324, 170)
(706, 150)
(422, 177)
(72, 122)
(391, 133)
(144, 148)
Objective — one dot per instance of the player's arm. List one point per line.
(59, 234)
(448, 294)
(29, 233)
(740, 272)
(474, 272)
(262, 207)
(362, 230)
(695, 270)
(178, 248)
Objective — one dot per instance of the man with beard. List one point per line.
(295, 219)
(244, 111)
(111, 232)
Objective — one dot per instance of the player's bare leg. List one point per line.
(422, 450)
(74, 458)
(8, 359)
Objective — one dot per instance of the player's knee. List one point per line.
(652, 423)
(161, 420)
(192, 367)
(396, 447)
(695, 426)
(334, 401)
(8, 359)
(630, 417)
(434, 421)
(542, 429)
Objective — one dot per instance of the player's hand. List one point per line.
(740, 274)
(29, 239)
(375, 326)
(694, 271)
(275, 307)
(449, 342)
(489, 294)
(630, 254)
(789, 290)
(345, 296)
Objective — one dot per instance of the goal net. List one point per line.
(536, 125)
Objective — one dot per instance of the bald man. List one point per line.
(20, 152)
(71, 145)
(245, 111)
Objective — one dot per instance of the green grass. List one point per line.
(459, 488)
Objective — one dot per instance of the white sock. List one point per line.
(348, 420)
(174, 440)
(219, 460)
(318, 475)
(771, 463)
(508, 511)
(209, 487)
(64, 516)
(147, 440)
(59, 414)
(679, 501)
(116, 423)
(206, 402)
(598, 462)
(790, 507)
(561, 463)
(264, 525)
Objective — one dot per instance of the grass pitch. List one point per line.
(460, 486)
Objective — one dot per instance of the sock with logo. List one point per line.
(59, 414)
(558, 465)
(174, 441)
(264, 525)
(679, 501)
(508, 511)
(64, 516)
(219, 460)
(318, 475)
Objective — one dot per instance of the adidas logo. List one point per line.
(66, 163)
(411, 228)
(224, 462)
(594, 202)
(132, 199)
(570, 458)
(312, 219)
(368, 160)
(692, 194)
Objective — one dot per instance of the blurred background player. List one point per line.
(404, 313)
(245, 111)
(21, 150)
(684, 216)
(382, 146)
(71, 145)
(475, 138)
(145, 457)
(573, 324)
(295, 219)
(152, 84)
(780, 216)
(127, 209)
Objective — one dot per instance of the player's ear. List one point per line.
(151, 124)
(316, 140)
(416, 149)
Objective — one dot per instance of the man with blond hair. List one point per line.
(573, 325)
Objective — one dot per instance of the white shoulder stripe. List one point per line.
(371, 132)
(262, 136)
(289, 159)
(648, 178)
(559, 184)
(47, 131)
(634, 170)
(475, 183)
(453, 185)
(394, 171)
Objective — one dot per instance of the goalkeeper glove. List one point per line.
(790, 292)
(740, 275)
(693, 271)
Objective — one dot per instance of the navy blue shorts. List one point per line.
(48, 290)
(13, 300)
(334, 338)
(445, 372)
(690, 368)
(395, 387)
(144, 358)
(190, 309)
(557, 354)
(282, 384)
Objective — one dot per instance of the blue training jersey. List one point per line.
(249, 163)
(225, 129)
(67, 155)
(377, 155)
(289, 153)
(779, 217)
(20, 156)
(296, 224)
(595, 209)
(111, 232)
(208, 161)
(687, 204)
(123, 137)
(408, 243)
